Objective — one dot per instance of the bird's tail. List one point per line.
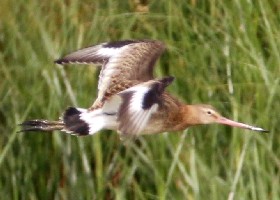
(76, 121)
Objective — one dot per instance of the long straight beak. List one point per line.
(225, 121)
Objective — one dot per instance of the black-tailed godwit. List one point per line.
(130, 99)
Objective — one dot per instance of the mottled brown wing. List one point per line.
(135, 106)
(122, 62)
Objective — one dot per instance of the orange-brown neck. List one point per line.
(185, 118)
(189, 115)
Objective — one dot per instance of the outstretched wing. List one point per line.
(137, 104)
(121, 61)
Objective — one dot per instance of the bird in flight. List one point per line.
(130, 99)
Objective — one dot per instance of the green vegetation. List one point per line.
(224, 53)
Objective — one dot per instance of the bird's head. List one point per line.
(206, 114)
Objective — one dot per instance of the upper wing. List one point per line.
(121, 61)
(136, 105)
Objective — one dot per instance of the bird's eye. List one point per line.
(209, 112)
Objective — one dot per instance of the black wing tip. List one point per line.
(60, 61)
(167, 80)
(265, 131)
(118, 44)
(121, 43)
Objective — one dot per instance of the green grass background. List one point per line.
(223, 53)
